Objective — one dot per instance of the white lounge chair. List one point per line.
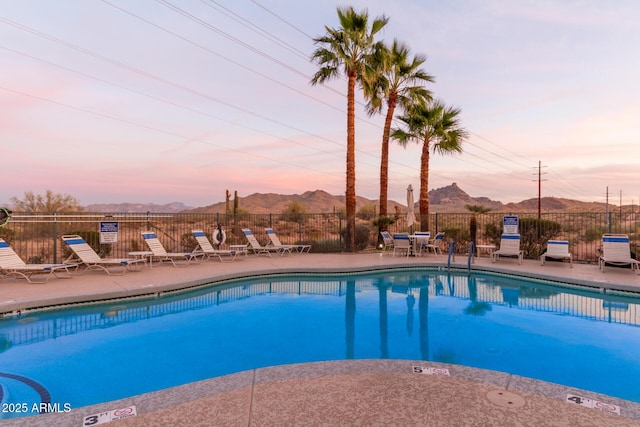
(207, 249)
(258, 249)
(387, 240)
(401, 243)
(84, 254)
(509, 246)
(12, 265)
(275, 242)
(616, 251)
(557, 249)
(159, 253)
(436, 243)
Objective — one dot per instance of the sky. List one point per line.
(161, 101)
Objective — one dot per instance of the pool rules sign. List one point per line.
(108, 232)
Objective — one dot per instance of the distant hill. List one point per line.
(449, 199)
(138, 207)
(317, 201)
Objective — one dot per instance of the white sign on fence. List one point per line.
(510, 224)
(108, 232)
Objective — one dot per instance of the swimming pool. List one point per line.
(94, 354)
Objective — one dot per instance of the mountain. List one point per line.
(317, 201)
(449, 199)
(138, 207)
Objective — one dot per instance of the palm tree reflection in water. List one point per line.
(350, 318)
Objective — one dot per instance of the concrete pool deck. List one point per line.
(354, 392)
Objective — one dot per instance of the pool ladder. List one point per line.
(452, 245)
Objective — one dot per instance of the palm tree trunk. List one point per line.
(350, 196)
(424, 186)
(384, 156)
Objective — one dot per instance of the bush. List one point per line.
(534, 234)
(366, 212)
(363, 232)
(294, 212)
(325, 246)
(595, 233)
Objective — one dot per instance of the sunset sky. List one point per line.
(160, 101)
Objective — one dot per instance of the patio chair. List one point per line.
(159, 253)
(257, 248)
(83, 254)
(206, 248)
(616, 251)
(509, 246)
(436, 243)
(387, 240)
(12, 265)
(401, 243)
(557, 249)
(275, 242)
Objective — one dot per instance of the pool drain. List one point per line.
(505, 399)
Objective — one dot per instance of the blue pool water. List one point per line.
(95, 354)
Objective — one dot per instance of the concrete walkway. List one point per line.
(356, 392)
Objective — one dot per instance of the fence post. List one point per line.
(55, 238)
(340, 230)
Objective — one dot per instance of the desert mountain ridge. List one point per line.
(449, 199)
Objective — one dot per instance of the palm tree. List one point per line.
(346, 50)
(396, 78)
(438, 128)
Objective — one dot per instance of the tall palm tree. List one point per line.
(397, 80)
(346, 50)
(438, 128)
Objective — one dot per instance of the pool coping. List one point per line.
(170, 397)
(13, 308)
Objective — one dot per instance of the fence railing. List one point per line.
(37, 237)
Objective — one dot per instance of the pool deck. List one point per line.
(352, 392)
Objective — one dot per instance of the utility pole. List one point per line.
(540, 188)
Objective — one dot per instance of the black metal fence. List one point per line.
(37, 237)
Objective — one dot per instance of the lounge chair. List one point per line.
(275, 242)
(387, 240)
(159, 253)
(401, 243)
(436, 243)
(509, 246)
(616, 251)
(12, 265)
(257, 248)
(557, 249)
(83, 254)
(207, 249)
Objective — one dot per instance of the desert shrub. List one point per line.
(459, 236)
(294, 212)
(188, 242)
(325, 245)
(363, 233)
(367, 212)
(534, 234)
(492, 233)
(7, 234)
(595, 233)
